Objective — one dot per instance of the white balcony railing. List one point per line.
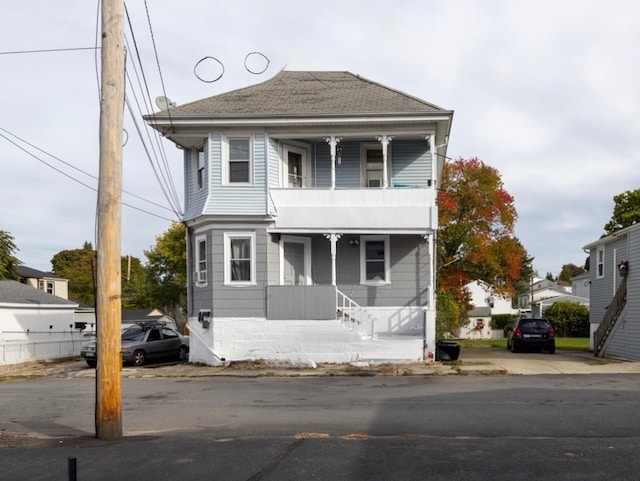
(392, 209)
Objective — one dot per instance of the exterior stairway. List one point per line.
(610, 318)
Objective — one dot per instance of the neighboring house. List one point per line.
(580, 285)
(486, 303)
(542, 290)
(615, 294)
(44, 281)
(311, 217)
(540, 306)
(35, 325)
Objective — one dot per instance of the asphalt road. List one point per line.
(560, 427)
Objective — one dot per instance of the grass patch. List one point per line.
(566, 343)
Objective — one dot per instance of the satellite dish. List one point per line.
(164, 103)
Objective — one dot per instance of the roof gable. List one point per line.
(306, 93)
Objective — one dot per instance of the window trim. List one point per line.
(226, 171)
(363, 261)
(228, 237)
(199, 171)
(198, 262)
(600, 263)
(303, 151)
(364, 149)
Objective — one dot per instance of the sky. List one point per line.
(545, 91)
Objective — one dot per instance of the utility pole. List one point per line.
(108, 415)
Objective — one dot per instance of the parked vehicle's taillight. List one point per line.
(518, 333)
(551, 332)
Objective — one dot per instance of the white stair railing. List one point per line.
(354, 315)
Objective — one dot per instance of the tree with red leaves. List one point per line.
(476, 238)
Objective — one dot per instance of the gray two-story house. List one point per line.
(311, 214)
(615, 294)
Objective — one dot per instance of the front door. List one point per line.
(295, 261)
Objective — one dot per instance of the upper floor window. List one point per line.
(200, 273)
(600, 263)
(372, 165)
(295, 166)
(239, 258)
(46, 286)
(199, 169)
(239, 160)
(374, 260)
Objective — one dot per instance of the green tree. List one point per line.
(569, 271)
(166, 273)
(8, 261)
(626, 211)
(569, 319)
(79, 267)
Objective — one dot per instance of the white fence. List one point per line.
(40, 346)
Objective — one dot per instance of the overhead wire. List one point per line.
(161, 169)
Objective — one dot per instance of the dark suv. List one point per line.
(532, 333)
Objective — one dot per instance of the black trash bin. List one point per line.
(447, 351)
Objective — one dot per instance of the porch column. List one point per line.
(333, 142)
(431, 298)
(384, 140)
(333, 238)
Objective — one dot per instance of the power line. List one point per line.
(48, 50)
(80, 170)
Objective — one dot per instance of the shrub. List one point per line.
(502, 321)
(569, 319)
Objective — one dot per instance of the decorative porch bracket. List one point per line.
(333, 238)
(333, 143)
(384, 140)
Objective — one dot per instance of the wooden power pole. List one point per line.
(108, 298)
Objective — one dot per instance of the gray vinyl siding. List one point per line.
(411, 164)
(241, 199)
(624, 341)
(194, 199)
(273, 163)
(410, 280)
(603, 290)
(348, 171)
(321, 164)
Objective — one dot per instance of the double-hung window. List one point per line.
(374, 260)
(201, 260)
(239, 160)
(239, 258)
(600, 263)
(199, 165)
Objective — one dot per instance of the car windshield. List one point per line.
(535, 324)
(133, 333)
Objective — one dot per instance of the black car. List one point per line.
(532, 333)
(143, 341)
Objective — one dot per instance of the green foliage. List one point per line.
(502, 322)
(450, 313)
(569, 271)
(166, 272)
(8, 261)
(626, 211)
(79, 267)
(569, 319)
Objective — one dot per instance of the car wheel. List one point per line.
(138, 358)
(552, 349)
(513, 347)
(183, 353)
(92, 363)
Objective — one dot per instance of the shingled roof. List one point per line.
(13, 292)
(306, 93)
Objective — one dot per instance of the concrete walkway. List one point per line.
(471, 362)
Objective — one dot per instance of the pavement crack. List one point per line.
(276, 462)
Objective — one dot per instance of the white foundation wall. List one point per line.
(305, 343)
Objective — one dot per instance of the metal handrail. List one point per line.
(351, 311)
(610, 317)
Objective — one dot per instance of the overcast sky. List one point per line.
(547, 92)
